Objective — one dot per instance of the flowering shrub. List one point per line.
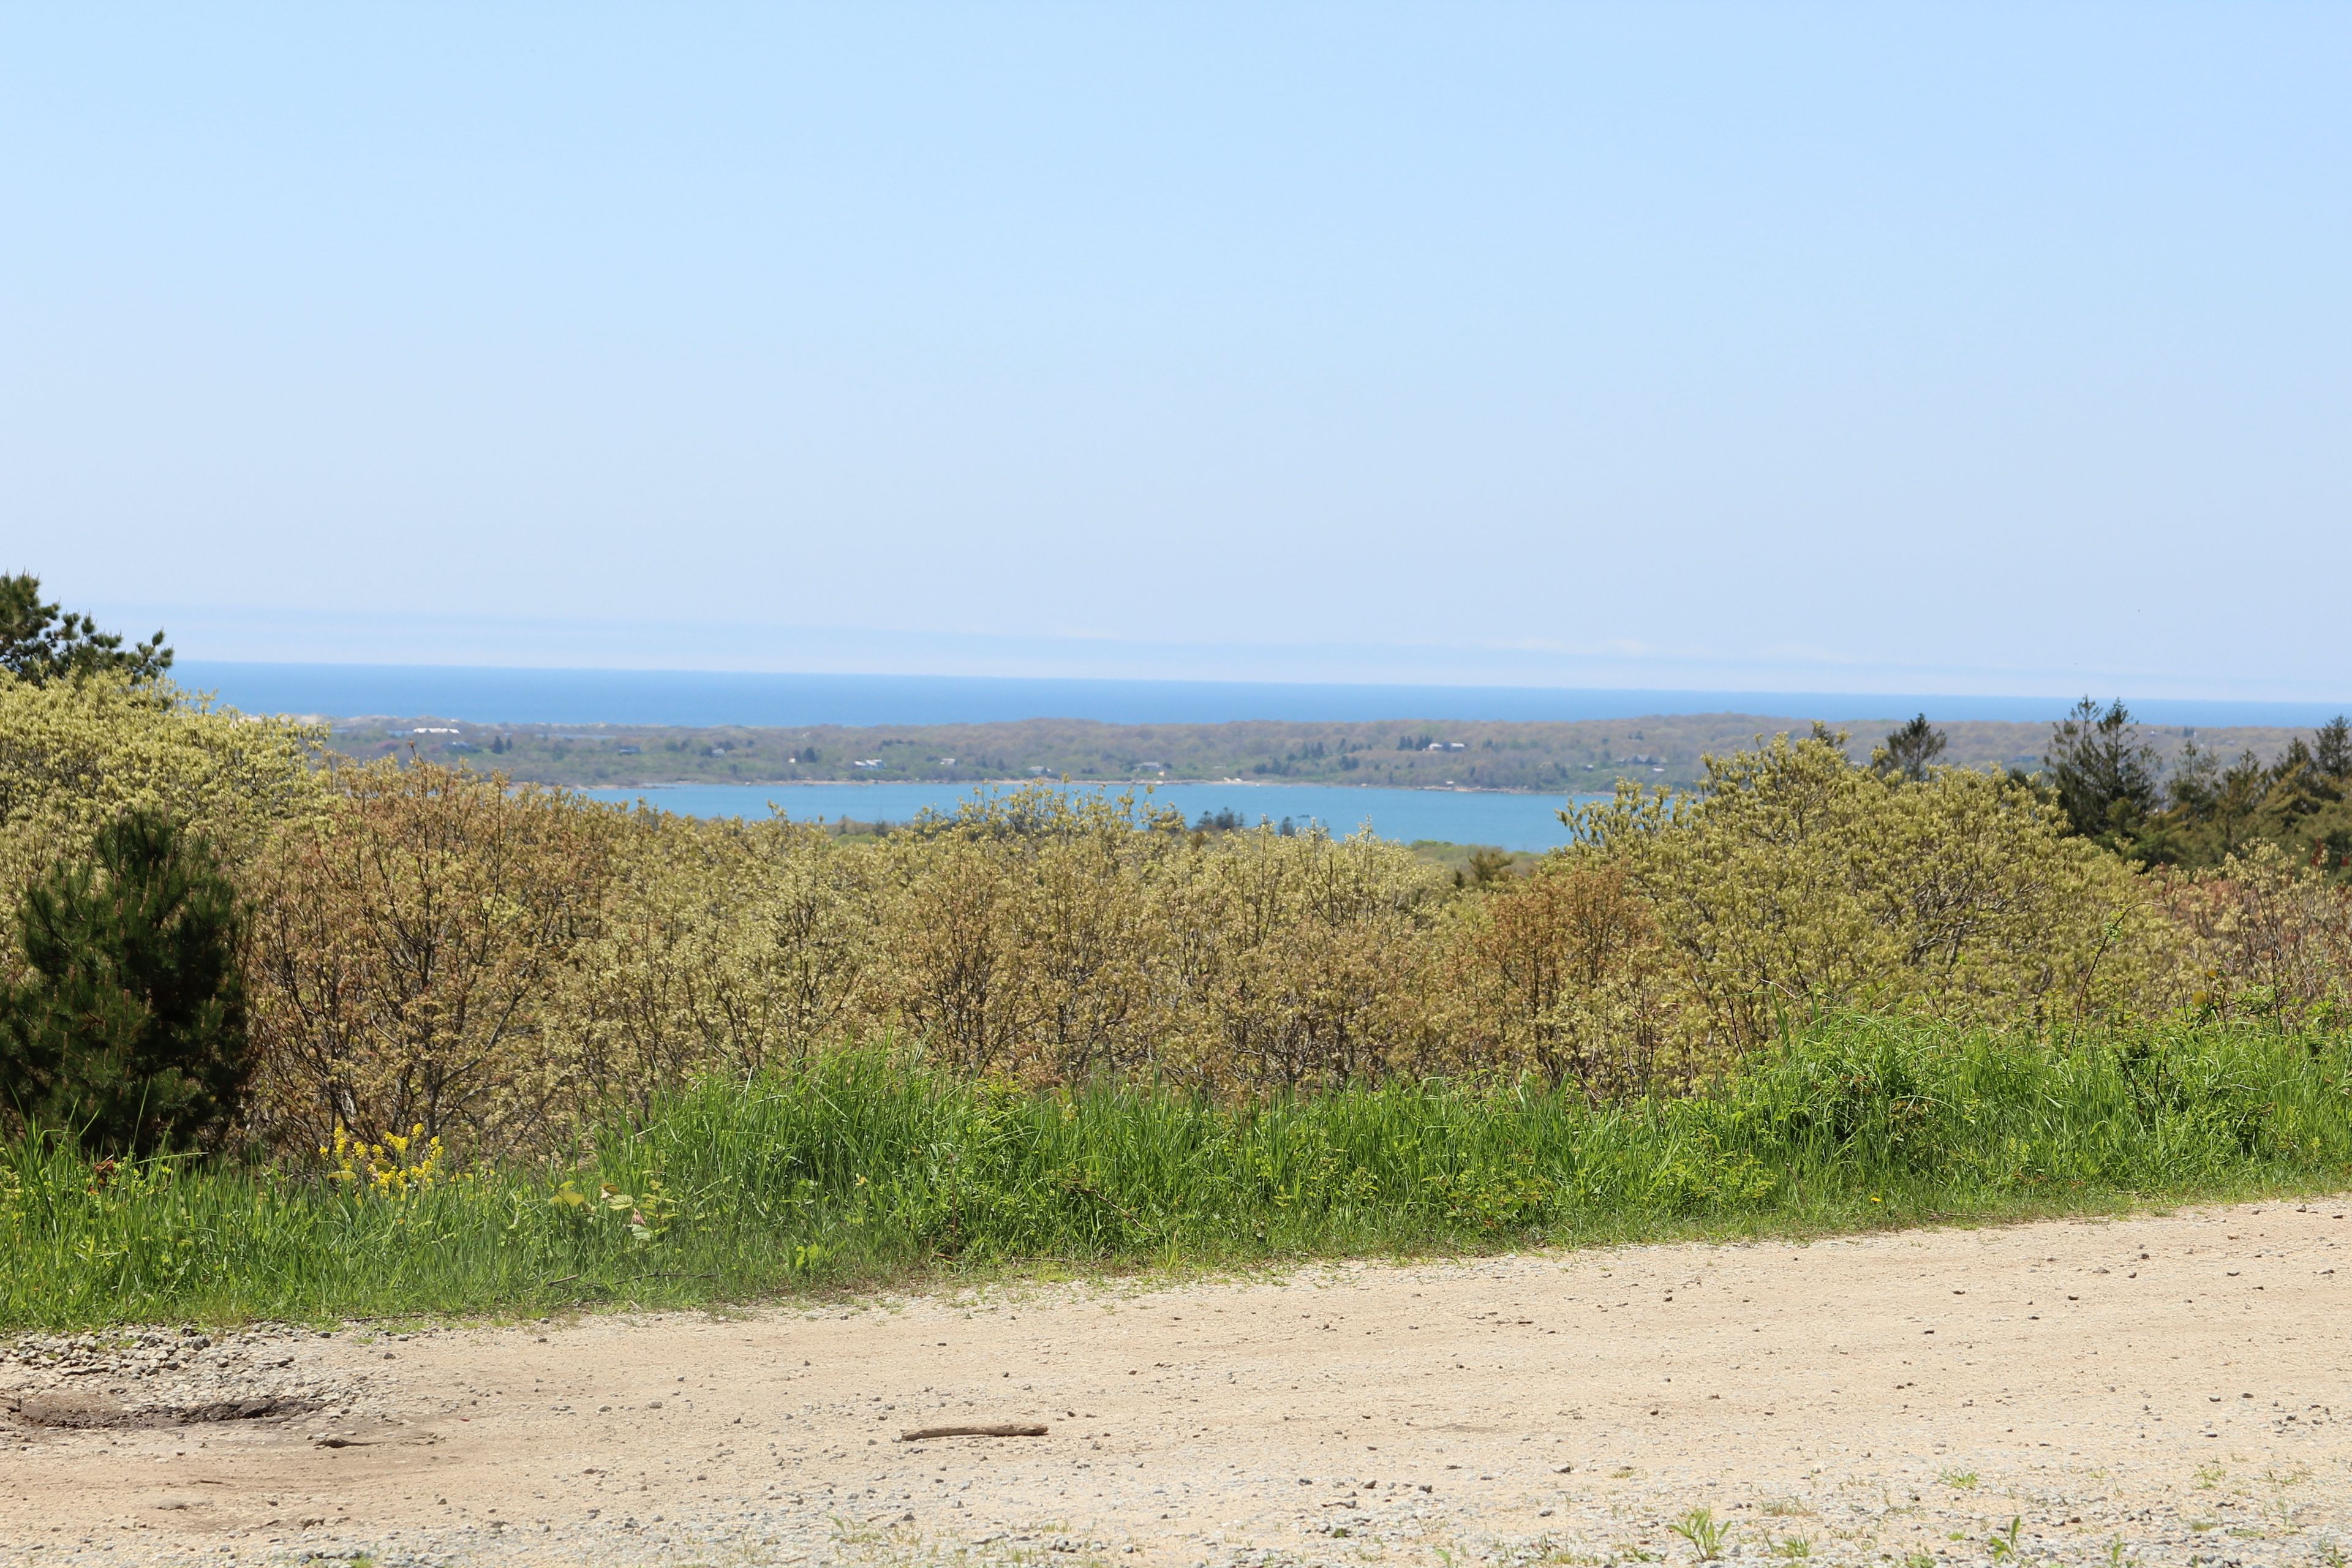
(403, 1165)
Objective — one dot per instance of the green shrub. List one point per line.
(130, 1034)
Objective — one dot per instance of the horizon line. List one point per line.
(711, 698)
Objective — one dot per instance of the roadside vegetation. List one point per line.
(869, 1167)
(285, 1035)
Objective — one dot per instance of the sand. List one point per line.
(2159, 1388)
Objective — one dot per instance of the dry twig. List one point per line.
(1001, 1429)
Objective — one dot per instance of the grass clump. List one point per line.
(1703, 1531)
(863, 1167)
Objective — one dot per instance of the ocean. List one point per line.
(691, 697)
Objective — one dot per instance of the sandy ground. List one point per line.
(2159, 1389)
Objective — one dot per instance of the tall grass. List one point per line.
(863, 1168)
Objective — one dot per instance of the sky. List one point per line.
(1969, 348)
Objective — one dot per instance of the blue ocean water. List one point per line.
(490, 696)
(1529, 822)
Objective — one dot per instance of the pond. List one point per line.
(1507, 821)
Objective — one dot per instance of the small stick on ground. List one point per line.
(1001, 1429)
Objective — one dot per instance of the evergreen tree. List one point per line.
(40, 643)
(2331, 751)
(2104, 773)
(1910, 750)
(130, 1032)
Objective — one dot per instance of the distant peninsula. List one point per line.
(1542, 757)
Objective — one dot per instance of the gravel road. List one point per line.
(2159, 1389)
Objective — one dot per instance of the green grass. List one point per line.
(863, 1169)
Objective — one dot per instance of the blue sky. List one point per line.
(1904, 348)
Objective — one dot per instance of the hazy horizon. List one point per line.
(702, 698)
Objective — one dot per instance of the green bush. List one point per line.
(130, 1034)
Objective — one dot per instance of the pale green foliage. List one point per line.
(1562, 973)
(1794, 882)
(504, 964)
(1050, 937)
(1301, 961)
(409, 955)
(2267, 937)
(80, 751)
(1016, 933)
(727, 946)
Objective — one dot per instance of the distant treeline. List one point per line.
(1586, 757)
(2198, 804)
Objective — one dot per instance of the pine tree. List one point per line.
(2333, 751)
(1909, 751)
(131, 1033)
(2104, 773)
(40, 642)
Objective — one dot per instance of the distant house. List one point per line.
(867, 762)
(629, 751)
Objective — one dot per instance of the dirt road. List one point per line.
(2167, 1383)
